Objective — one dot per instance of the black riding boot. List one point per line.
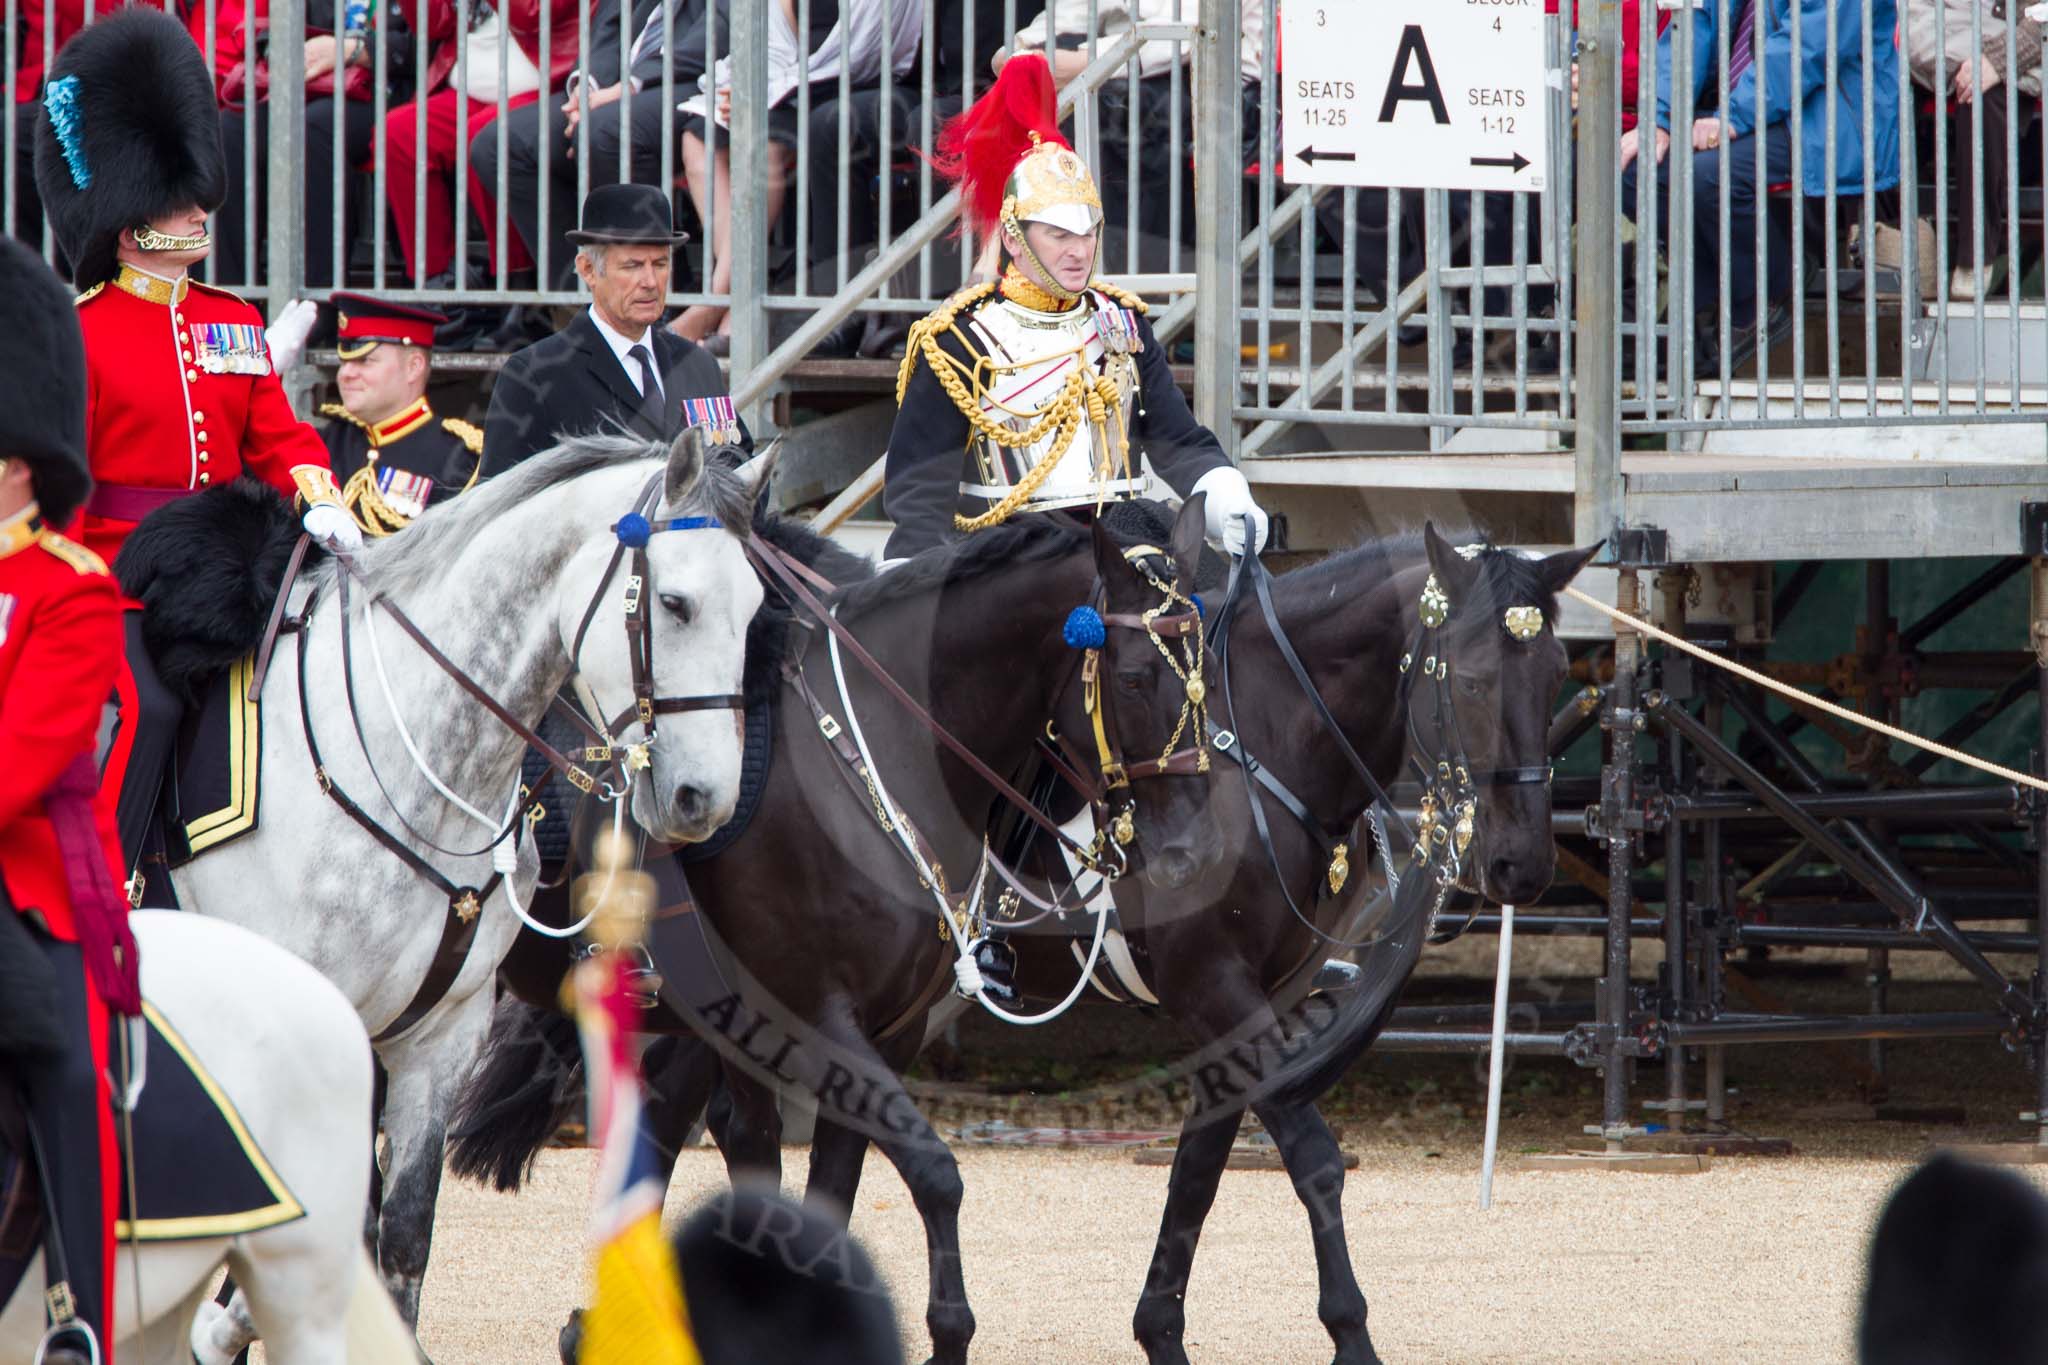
(997, 962)
(64, 1107)
(156, 730)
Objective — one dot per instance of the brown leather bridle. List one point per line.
(1161, 624)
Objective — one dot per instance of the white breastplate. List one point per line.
(1039, 353)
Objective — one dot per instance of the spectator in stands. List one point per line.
(622, 105)
(1766, 58)
(1064, 32)
(40, 26)
(1938, 53)
(612, 367)
(340, 70)
(863, 35)
(502, 38)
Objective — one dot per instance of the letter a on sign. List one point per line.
(1429, 94)
(1413, 50)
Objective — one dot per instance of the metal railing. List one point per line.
(1363, 310)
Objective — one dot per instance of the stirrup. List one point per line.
(71, 1327)
(1335, 975)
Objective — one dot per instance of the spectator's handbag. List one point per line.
(236, 92)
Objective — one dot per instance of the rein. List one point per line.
(777, 563)
(465, 903)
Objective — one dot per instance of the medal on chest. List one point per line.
(716, 415)
(230, 348)
(403, 491)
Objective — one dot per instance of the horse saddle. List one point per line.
(212, 794)
(198, 1171)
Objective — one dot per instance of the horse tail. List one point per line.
(527, 1081)
(375, 1334)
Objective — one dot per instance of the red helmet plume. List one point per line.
(980, 146)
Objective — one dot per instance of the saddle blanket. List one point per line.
(199, 1173)
(216, 769)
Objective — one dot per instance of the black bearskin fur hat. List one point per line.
(129, 132)
(43, 357)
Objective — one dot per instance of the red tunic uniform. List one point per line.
(180, 395)
(60, 647)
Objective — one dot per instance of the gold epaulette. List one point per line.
(89, 295)
(926, 330)
(1122, 296)
(337, 410)
(468, 433)
(224, 293)
(71, 552)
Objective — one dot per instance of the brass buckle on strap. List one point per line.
(598, 753)
(643, 707)
(580, 780)
(828, 727)
(1115, 775)
(633, 586)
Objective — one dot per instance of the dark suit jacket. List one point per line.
(572, 382)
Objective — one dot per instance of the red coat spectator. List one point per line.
(1631, 53)
(512, 31)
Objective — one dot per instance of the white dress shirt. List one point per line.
(621, 344)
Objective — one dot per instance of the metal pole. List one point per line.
(1671, 584)
(1877, 608)
(286, 249)
(1497, 1050)
(2040, 634)
(1596, 487)
(1617, 797)
(749, 201)
(1216, 199)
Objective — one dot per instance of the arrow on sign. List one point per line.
(1312, 156)
(1513, 163)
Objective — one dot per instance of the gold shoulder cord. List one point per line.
(967, 384)
(376, 516)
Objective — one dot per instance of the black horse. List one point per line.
(816, 948)
(1418, 652)
(1229, 954)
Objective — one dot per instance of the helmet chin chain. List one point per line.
(148, 238)
(1041, 276)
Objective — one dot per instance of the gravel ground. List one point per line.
(1757, 1259)
(1567, 1266)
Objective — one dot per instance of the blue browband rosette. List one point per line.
(633, 531)
(1084, 629)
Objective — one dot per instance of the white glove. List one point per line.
(333, 527)
(287, 336)
(1229, 501)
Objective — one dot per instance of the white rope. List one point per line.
(1842, 713)
(504, 853)
(966, 972)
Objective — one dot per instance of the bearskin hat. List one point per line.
(43, 357)
(129, 132)
(1006, 153)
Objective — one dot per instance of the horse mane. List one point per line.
(1013, 544)
(1507, 578)
(417, 558)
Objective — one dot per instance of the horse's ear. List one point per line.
(1107, 551)
(685, 465)
(1561, 568)
(759, 470)
(1186, 542)
(1454, 573)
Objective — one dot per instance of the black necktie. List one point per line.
(651, 406)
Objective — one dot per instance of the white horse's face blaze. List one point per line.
(700, 598)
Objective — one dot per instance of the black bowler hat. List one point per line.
(637, 215)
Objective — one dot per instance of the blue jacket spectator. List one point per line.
(1779, 80)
